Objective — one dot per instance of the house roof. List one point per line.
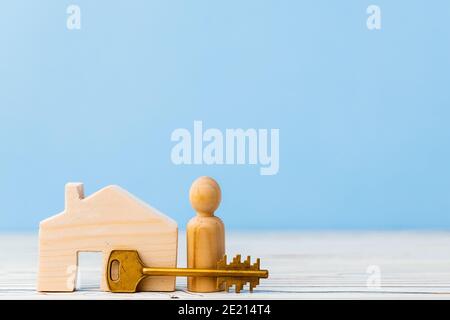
(115, 196)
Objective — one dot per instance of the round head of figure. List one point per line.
(205, 196)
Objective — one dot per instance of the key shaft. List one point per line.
(189, 272)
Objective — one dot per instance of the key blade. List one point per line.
(239, 282)
(124, 271)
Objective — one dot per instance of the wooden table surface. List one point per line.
(302, 265)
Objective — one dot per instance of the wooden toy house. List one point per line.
(111, 218)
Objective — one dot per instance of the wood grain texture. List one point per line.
(109, 219)
(302, 265)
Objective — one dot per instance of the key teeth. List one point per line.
(222, 263)
(257, 264)
(251, 286)
(236, 263)
(238, 286)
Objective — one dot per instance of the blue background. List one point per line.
(364, 116)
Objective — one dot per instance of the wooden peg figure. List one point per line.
(205, 233)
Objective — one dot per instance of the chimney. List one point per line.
(74, 193)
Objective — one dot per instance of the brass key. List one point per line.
(126, 270)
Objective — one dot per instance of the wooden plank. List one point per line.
(303, 265)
